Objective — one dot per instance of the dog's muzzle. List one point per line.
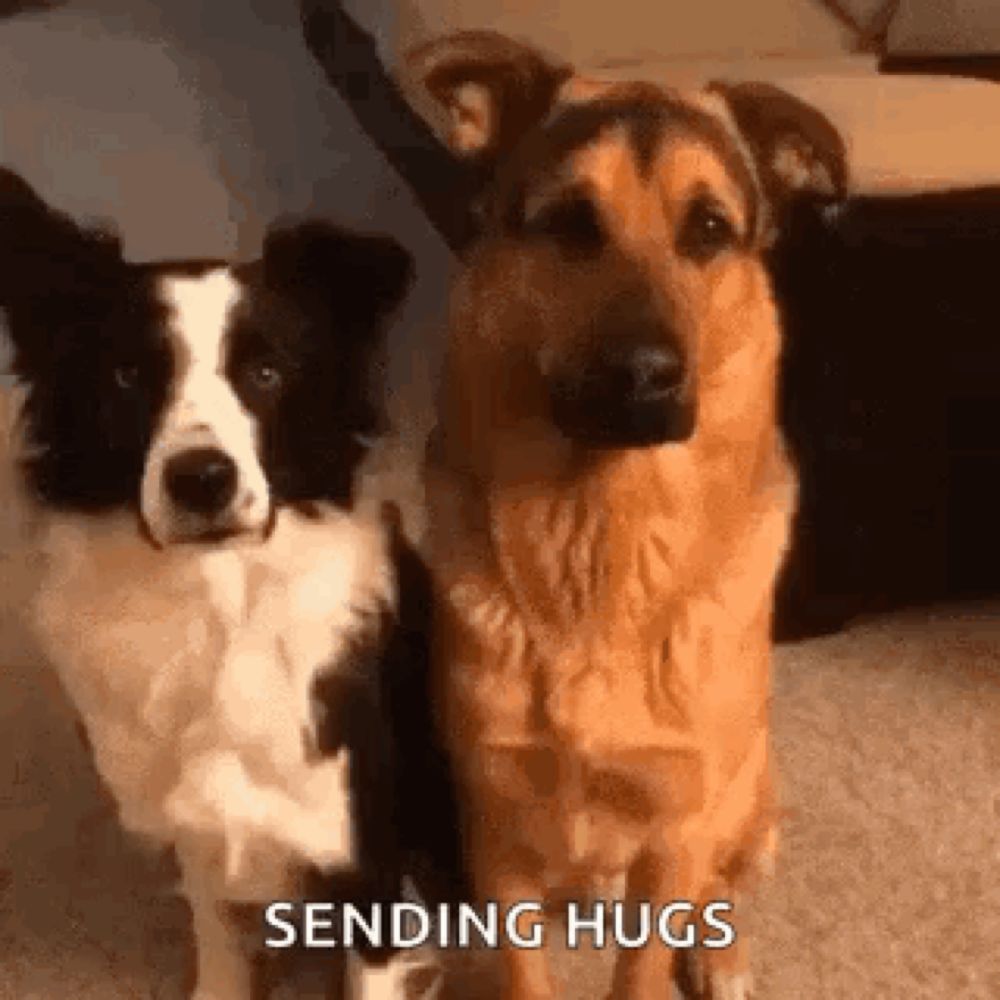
(200, 493)
(628, 393)
(200, 481)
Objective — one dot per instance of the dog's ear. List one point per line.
(49, 266)
(797, 149)
(43, 251)
(493, 88)
(362, 278)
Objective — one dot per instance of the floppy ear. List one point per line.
(361, 277)
(493, 88)
(797, 149)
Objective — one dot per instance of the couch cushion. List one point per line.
(630, 29)
(930, 27)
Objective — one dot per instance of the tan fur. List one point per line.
(604, 641)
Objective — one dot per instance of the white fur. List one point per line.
(737, 986)
(203, 410)
(192, 670)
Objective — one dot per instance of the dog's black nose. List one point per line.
(201, 480)
(630, 393)
(646, 372)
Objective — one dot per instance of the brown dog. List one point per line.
(608, 490)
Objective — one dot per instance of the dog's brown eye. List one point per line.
(706, 232)
(574, 222)
(126, 376)
(263, 377)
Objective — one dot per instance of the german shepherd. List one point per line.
(608, 489)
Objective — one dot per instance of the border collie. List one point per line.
(232, 608)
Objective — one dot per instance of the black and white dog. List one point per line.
(229, 603)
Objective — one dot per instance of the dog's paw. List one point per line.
(714, 976)
(728, 986)
(424, 981)
(715, 984)
(404, 977)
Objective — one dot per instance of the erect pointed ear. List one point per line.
(362, 277)
(493, 88)
(797, 149)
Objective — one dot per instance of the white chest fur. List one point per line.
(193, 672)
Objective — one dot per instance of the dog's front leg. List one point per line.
(724, 973)
(224, 969)
(674, 867)
(508, 873)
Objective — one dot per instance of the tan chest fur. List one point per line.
(609, 639)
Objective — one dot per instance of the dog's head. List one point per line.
(202, 395)
(620, 268)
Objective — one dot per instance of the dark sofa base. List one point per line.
(891, 402)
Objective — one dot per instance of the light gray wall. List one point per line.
(192, 123)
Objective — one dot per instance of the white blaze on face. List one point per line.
(203, 410)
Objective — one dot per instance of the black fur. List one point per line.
(313, 301)
(402, 791)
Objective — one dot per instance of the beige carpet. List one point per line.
(888, 886)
